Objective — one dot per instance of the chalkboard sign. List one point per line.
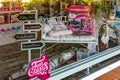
(32, 45)
(32, 27)
(25, 36)
(27, 16)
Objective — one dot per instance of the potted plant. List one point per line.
(100, 8)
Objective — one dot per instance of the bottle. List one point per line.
(118, 9)
(113, 10)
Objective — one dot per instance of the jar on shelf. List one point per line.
(112, 14)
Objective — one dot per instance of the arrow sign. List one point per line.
(32, 27)
(32, 45)
(25, 36)
(27, 16)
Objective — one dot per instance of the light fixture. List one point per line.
(1, 5)
(25, 1)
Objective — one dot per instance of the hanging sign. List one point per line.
(32, 45)
(39, 68)
(27, 16)
(32, 27)
(25, 36)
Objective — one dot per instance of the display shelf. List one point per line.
(3, 12)
(78, 40)
(60, 33)
(72, 38)
(8, 8)
(77, 27)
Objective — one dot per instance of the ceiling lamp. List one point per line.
(25, 1)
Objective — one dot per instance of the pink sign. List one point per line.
(39, 68)
(77, 8)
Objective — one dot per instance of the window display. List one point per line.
(80, 27)
(72, 41)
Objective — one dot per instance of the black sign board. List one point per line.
(31, 45)
(25, 36)
(32, 27)
(27, 16)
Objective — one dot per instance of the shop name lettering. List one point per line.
(38, 68)
(32, 45)
(26, 36)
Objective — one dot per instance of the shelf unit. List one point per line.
(8, 10)
(72, 39)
